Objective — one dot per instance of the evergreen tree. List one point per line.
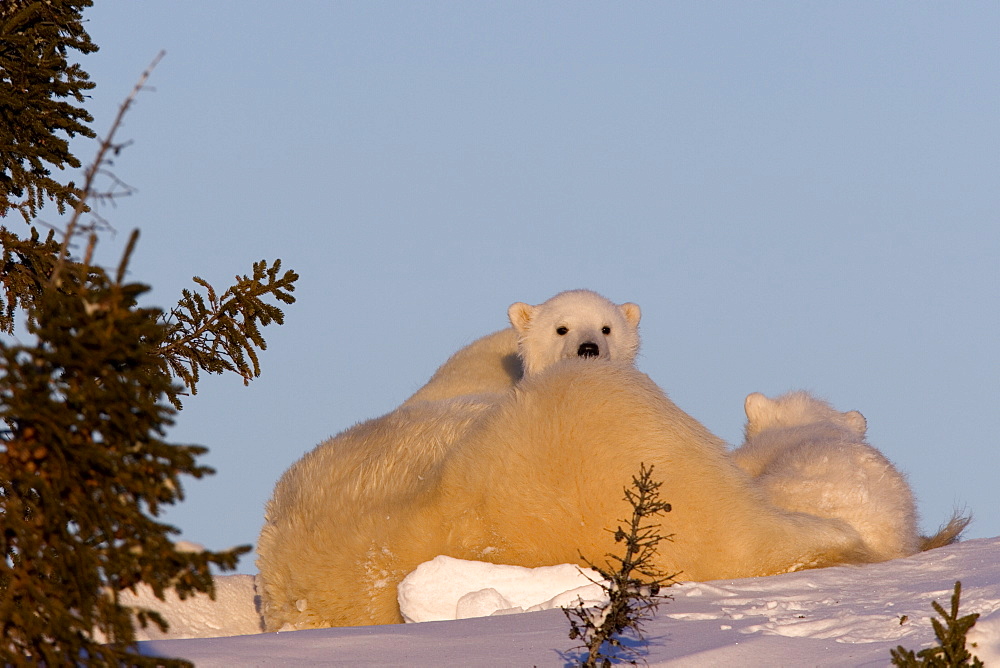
(85, 470)
(40, 96)
(84, 404)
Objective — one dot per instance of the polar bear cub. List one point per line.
(575, 323)
(810, 458)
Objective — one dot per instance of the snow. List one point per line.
(446, 588)
(986, 636)
(843, 616)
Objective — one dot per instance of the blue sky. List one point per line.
(799, 195)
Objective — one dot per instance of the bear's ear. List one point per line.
(520, 315)
(856, 421)
(755, 407)
(631, 312)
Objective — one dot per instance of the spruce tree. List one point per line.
(85, 471)
(86, 399)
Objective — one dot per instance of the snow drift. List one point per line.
(841, 616)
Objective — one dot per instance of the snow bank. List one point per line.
(843, 616)
(446, 588)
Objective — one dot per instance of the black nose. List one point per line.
(588, 350)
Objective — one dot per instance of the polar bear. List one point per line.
(493, 363)
(575, 323)
(809, 457)
(533, 478)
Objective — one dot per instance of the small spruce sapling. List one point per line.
(950, 651)
(631, 582)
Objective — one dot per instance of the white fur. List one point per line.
(811, 458)
(575, 323)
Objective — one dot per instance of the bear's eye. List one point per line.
(605, 330)
(561, 331)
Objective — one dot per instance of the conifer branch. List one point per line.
(39, 93)
(25, 266)
(218, 333)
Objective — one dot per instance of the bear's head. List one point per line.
(797, 409)
(575, 323)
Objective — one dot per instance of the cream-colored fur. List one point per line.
(532, 477)
(334, 510)
(575, 323)
(809, 457)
